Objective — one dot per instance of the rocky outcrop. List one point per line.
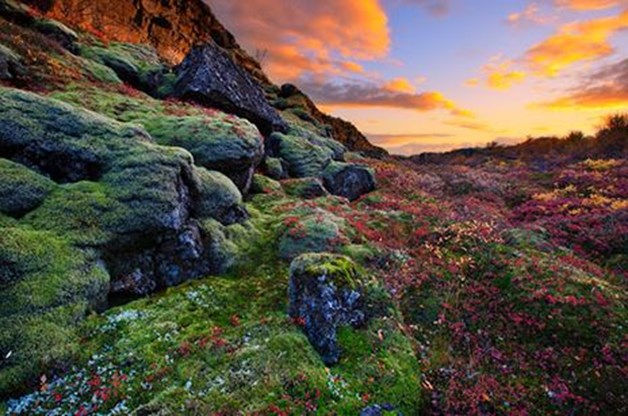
(208, 76)
(301, 157)
(102, 210)
(348, 180)
(325, 293)
(136, 197)
(172, 27)
(341, 130)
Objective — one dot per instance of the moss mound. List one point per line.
(21, 189)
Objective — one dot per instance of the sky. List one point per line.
(434, 75)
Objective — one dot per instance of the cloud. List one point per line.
(575, 42)
(604, 88)
(530, 15)
(589, 4)
(308, 36)
(370, 94)
(400, 85)
(498, 74)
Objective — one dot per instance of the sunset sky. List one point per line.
(433, 75)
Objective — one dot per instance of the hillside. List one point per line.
(181, 236)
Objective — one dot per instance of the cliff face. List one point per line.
(173, 27)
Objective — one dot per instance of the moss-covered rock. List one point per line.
(137, 65)
(273, 167)
(21, 189)
(218, 197)
(302, 158)
(312, 232)
(265, 185)
(325, 292)
(127, 216)
(217, 141)
(305, 188)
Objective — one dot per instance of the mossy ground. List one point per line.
(226, 345)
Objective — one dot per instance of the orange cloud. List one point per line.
(400, 85)
(368, 94)
(499, 75)
(606, 88)
(589, 4)
(575, 42)
(303, 36)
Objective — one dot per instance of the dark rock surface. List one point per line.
(325, 293)
(348, 180)
(209, 76)
(11, 65)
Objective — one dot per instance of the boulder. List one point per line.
(136, 65)
(305, 188)
(301, 157)
(218, 198)
(274, 168)
(325, 292)
(219, 142)
(21, 189)
(265, 185)
(312, 232)
(208, 76)
(348, 180)
(10, 64)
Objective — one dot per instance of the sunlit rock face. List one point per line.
(172, 26)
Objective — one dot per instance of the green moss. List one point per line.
(21, 189)
(339, 269)
(302, 158)
(263, 184)
(50, 285)
(314, 232)
(217, 194)
(214, 138)
(304, 187)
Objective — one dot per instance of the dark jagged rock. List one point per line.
(325, 293)
(59, 32)
(11, 66)
(209, 76)
(348, 180)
